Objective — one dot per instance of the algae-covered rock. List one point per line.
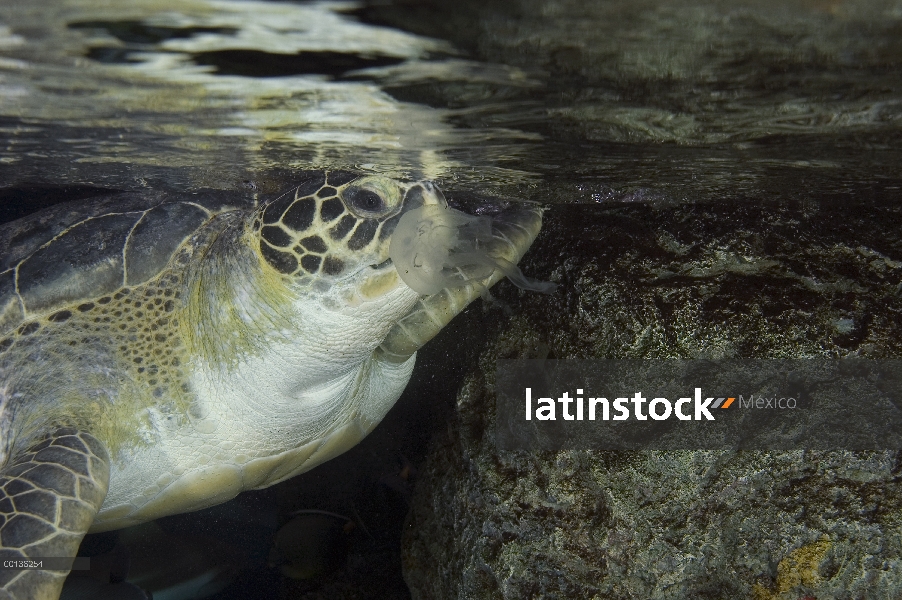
(654, 281)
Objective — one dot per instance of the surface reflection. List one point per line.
(211, 89)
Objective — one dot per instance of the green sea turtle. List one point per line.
(160, 354)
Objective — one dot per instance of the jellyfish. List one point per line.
(435, 247)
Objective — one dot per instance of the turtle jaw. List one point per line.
(513, 231)
(375, 283)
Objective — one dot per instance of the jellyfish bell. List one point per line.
(435, 247)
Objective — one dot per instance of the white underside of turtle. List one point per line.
(162, 354)
(274, 416)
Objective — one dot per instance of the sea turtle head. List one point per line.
(394, 253)
(336, 228)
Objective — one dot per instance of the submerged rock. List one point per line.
(816, 279)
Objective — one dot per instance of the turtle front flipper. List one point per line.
(49, 495)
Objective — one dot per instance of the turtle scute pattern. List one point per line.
(73, 254)
(311, 231)
(52, 492)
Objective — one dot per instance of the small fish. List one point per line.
(104, 580)
(178, 567)
(314, 543)
(167, 566)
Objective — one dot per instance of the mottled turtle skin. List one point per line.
(161, 353)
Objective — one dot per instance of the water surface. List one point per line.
(552, 100)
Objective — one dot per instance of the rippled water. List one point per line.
(211, 93)
(553, 100)
(562, 101)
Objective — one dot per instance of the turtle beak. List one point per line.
(513, 231)
(423, 193)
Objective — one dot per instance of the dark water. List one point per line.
(558, 101)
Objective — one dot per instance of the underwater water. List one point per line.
(579, 105)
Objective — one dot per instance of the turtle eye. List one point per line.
(364, 202)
